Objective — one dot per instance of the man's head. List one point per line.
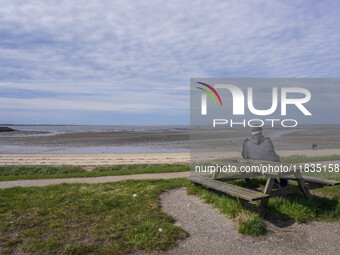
(256, 130)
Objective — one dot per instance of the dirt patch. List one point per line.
(212, 233)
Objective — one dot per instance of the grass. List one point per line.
(10, 173)
(304, 159)
(251, 224)
(329, 191)
(301, 210)
(320, 173)
(87, 219)
(109, 219)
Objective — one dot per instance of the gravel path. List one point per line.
(212, 233)
(104, 179)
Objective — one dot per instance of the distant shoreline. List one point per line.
(115, 139)
(6, 129)
(71, 125)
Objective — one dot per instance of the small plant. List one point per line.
(250, 224)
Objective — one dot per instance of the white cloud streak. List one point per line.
(111, 47)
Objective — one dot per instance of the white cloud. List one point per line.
(56, 104)
(105, 47)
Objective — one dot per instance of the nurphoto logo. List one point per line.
(238, 106)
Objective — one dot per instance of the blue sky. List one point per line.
(129, 62)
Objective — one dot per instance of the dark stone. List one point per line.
(6, 129)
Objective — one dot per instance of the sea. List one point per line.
(56, 139)
(95, 139)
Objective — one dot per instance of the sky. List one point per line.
(130, 62)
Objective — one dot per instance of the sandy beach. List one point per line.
(114, 145)
(133, 158)
(93, 159)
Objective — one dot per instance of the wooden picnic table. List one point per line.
(218, 182)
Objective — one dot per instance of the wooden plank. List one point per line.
(311, 185)
(289, 190)
(233, 190)
(316, 180)
(279, 174)
(269, 185)
(238, 176)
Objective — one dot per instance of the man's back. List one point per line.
(259, 147)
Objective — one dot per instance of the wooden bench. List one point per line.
(315, 180)
(232, 190)
(305, 183)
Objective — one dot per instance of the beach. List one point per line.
(130, 158)
(95, 139)
(156, 139)
(114, 145)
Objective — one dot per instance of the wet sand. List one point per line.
(95, 142)
(162, 140)
(92, 138)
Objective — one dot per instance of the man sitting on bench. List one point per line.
(261, 148)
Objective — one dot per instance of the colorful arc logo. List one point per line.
(209, 93)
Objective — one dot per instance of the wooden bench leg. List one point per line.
(302, 184)
(216, 174)
(267, 190)
(263, 207)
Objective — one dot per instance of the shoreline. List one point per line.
(131, 158)
(137, 140)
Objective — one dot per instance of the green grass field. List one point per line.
(11, 173)
(87, 219)
(304, 159)
(109, 219)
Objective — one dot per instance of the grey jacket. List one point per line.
(259, 147)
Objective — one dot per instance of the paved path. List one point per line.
(104, 179)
